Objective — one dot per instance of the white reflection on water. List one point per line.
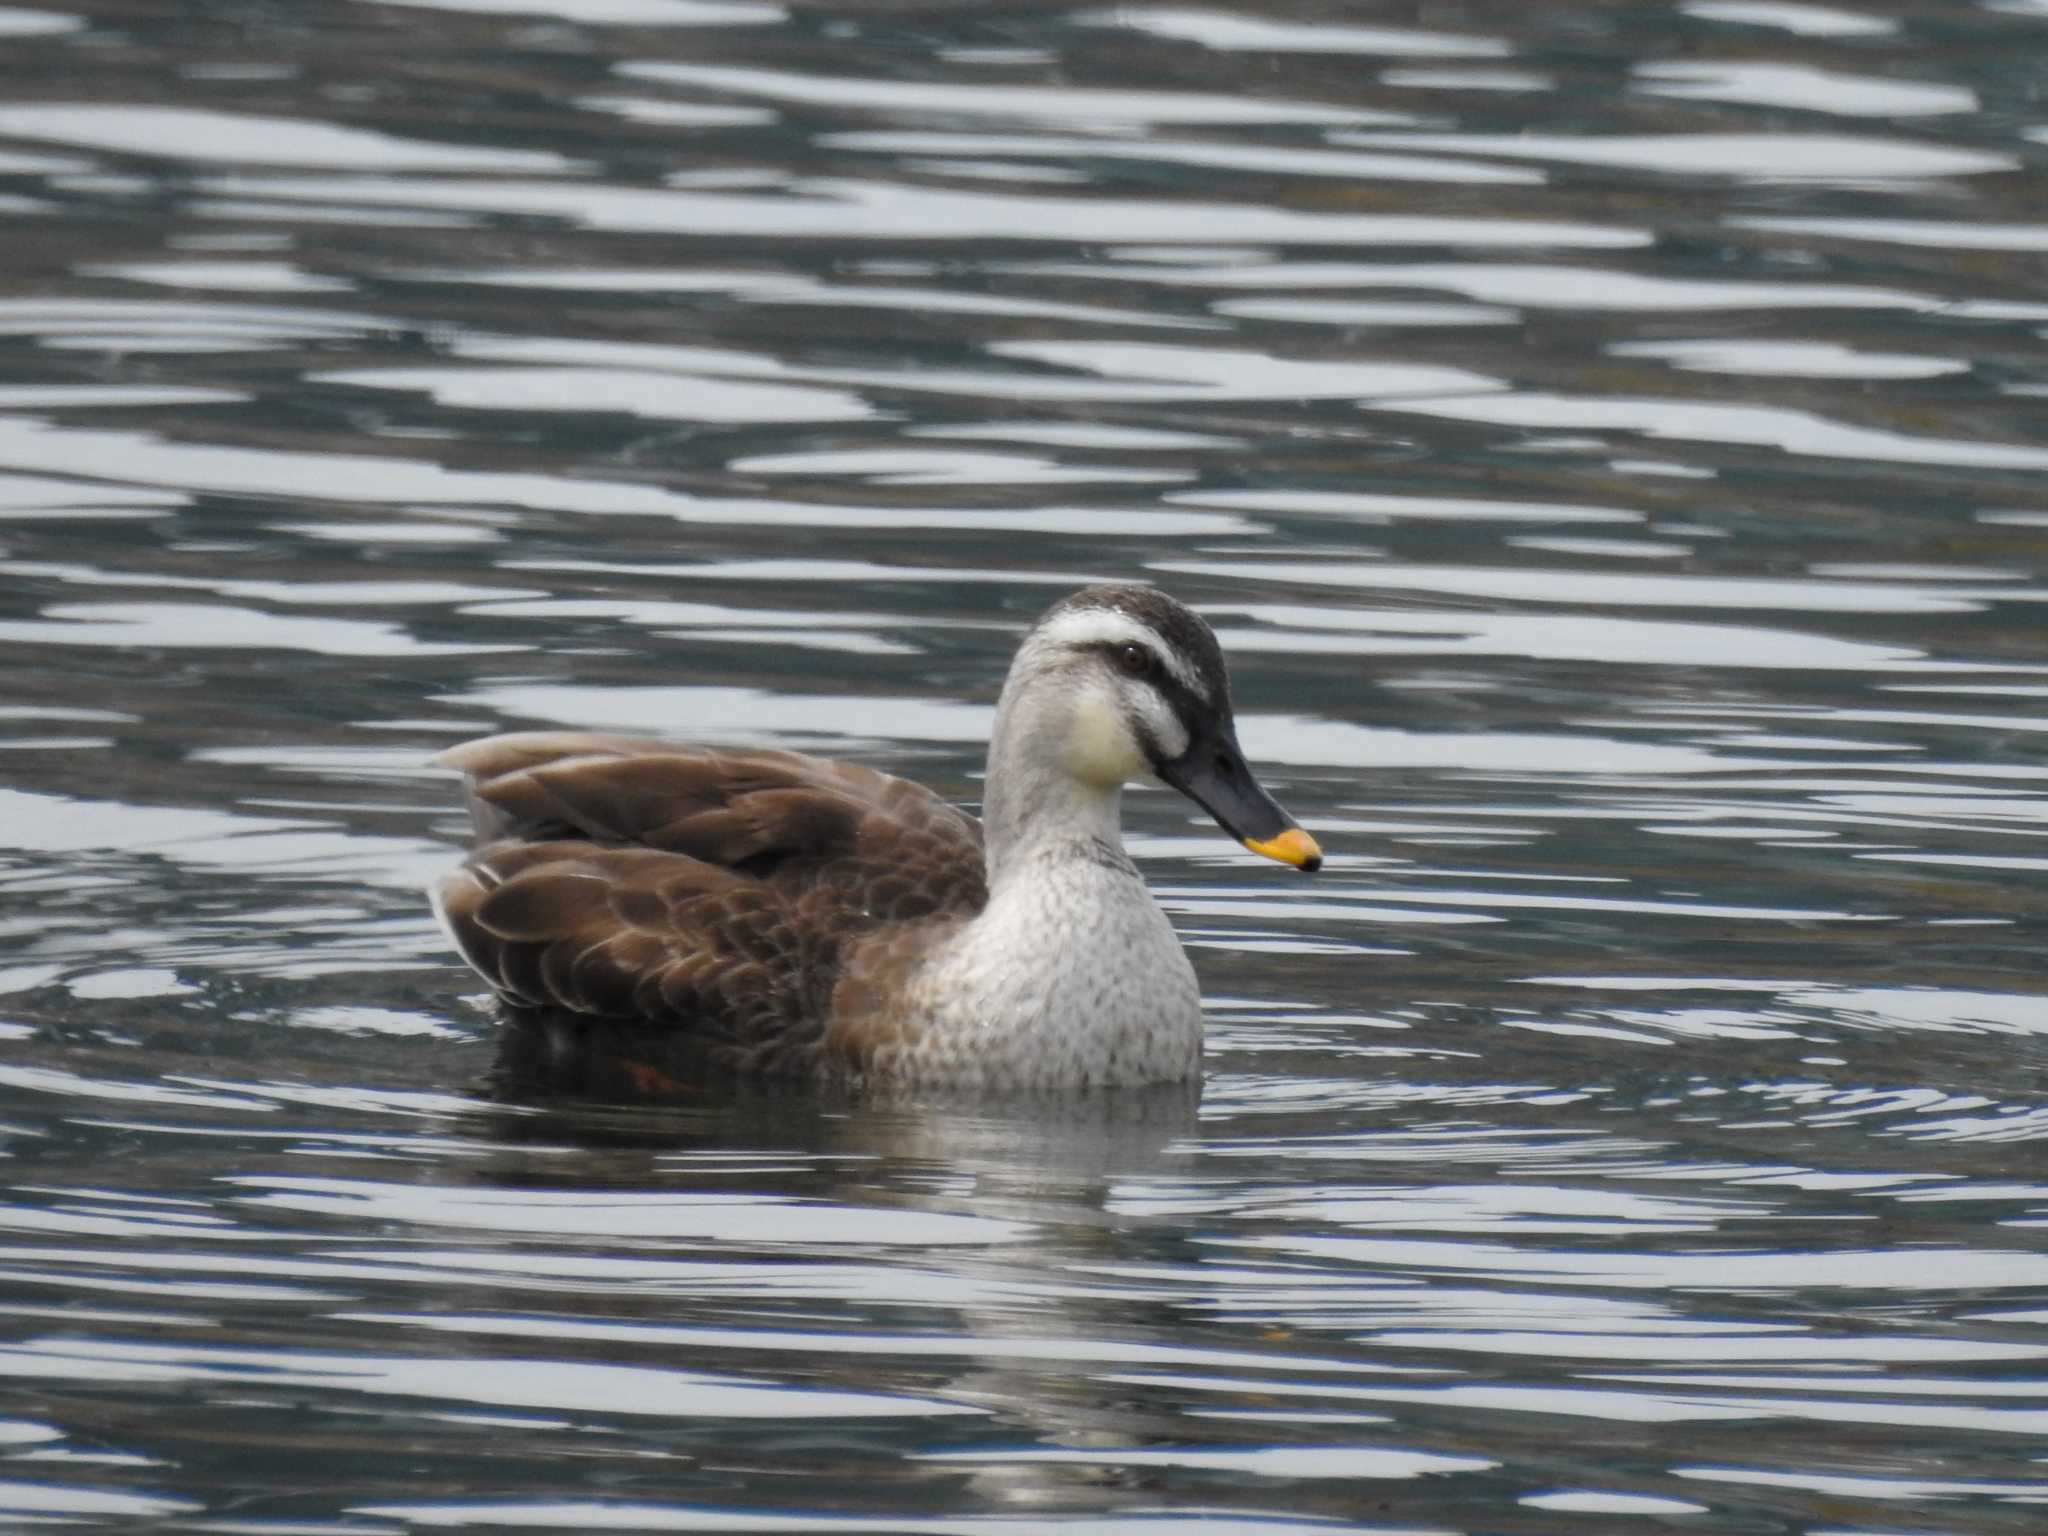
(554, 1385)
(1232, 374)
(1642, 906)
(911, 466)
(145, 459)
(676, 114)
(357, 1019)
(49, 823)
(217, 840)
(1931, 1269)
(1530, 285)
(1784, 428)
(1599, 1502)
(1272, 160)
(50, 1503)
(940, 302)
(837, 209)
(16, 163)
(131, 981)
(1112, 522)
(1467, 79)
(1790, 359)
(1229, 32)
(623, 13)
(1725, 1348)
(810, 570)
(1927, 1008)
(319, 594)
(66, 1085)
(1872, 1487)
(1523, 1208)
(18, 22)
(362, 534)
(216, 626)
(1867, 161)
(732, 1218)
(1356, 1461)
(661, 396)
(1077, 434)
(1366, 312)
(852, 632)
(1800, 19)
(1136, 371)
(190, 133)
(768, 287)
(735, 715)
(1565, 1402)
(1943, 234)
(21, 494)
(625, 1515)
(1059, 104)
(1605, 549)
(36, 397)
(1635, 589)
(912, 1345)
(222, 276)
(1814, 90)
(1379, 506)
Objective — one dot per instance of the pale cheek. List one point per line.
(1161, 724)
(1168, 732)
(1100, 748)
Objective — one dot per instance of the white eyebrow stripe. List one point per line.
(1106, 626)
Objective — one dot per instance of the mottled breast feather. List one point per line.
(715, 891)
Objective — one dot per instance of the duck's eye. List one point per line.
(1134, 660)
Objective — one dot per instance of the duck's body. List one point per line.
(801, 917)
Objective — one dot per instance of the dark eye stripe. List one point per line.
(1189, 707)
(1156, 671)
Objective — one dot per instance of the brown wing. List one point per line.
(630, 878)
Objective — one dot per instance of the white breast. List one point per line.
(1071, 976)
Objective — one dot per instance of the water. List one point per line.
(1609, 441)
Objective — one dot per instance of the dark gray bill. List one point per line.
(1214, 774)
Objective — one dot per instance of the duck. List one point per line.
(793, 916)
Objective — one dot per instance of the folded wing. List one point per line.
(717, 891)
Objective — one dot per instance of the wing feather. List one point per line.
(714, 891)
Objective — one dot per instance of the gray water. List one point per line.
(1609, 440)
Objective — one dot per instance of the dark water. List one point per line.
(1609, 438)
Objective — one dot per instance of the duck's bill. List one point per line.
(1216, 777)
(1292, 846)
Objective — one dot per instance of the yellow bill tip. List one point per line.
(1293, 846)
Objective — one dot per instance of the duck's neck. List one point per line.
(1034, 806)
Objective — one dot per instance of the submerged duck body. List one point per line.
(804, 917)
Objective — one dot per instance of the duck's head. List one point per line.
(1122, 683)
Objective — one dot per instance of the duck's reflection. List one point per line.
(964, 1243)
(616, 1083)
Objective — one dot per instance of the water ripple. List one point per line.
(1607, 449)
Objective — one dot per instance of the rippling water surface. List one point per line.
(1609, 438)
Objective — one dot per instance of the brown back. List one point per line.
(717, 891)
